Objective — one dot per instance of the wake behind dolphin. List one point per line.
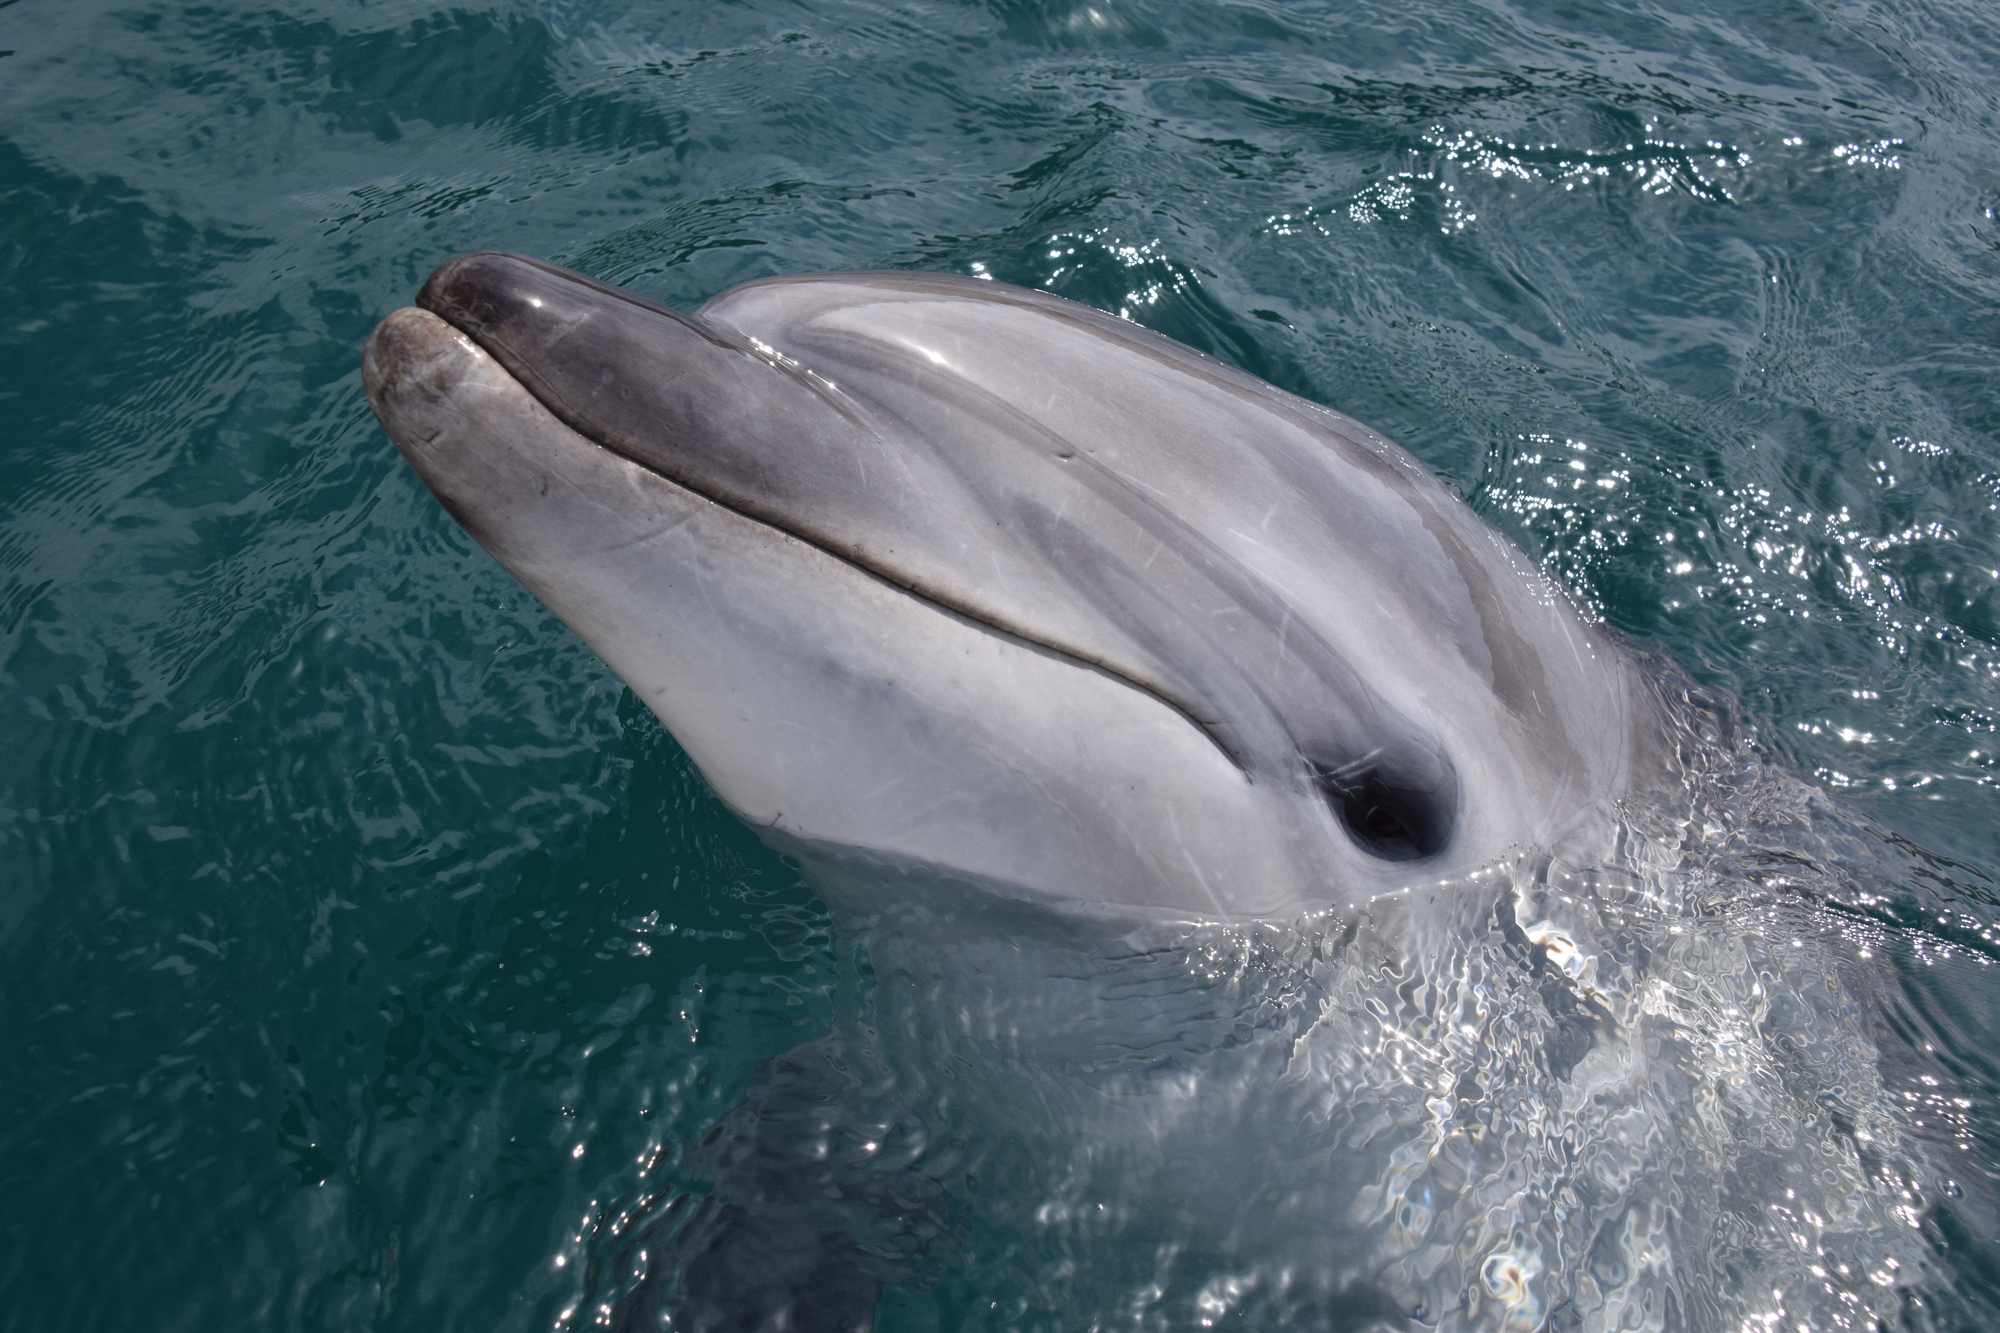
(1277, 819)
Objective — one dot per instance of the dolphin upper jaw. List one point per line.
(1149, 632)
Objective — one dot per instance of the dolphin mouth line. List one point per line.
(574, 420)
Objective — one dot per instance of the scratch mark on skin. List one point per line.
(651, 535)
(1250, 540)
(1187, 854)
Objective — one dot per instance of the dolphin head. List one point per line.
(946, 574)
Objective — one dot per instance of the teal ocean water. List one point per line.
(369, 959)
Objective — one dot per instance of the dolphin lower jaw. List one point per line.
(858, 716)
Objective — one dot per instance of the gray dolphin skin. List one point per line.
(946, 574)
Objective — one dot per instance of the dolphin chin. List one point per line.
(945, 574)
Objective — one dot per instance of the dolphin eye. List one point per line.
(1398, 802)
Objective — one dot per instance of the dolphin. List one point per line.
(939, 574)
(1333, 939)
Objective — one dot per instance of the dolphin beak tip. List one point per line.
(474, 290)
(404, 338)
(462, 287)
(410, 368)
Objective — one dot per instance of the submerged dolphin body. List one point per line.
(955, 576)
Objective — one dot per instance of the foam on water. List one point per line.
(1631, 1084)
